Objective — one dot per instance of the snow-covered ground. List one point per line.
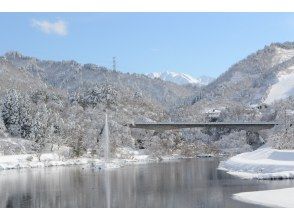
(283, 88)
(264, 163)
(271, 198)
(54, 159)
(46, 160)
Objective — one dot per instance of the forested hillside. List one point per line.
(53, 104)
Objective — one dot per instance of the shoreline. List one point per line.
(29, 161)
(263, 164)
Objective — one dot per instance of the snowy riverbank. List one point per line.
(53, 159)
(271, 198)
(264, 163)
(32, 161)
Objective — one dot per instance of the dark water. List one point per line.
(184, 183)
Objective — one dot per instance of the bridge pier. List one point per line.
(254, 139)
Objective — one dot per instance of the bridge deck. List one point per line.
(237, 125)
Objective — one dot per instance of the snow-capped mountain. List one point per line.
(181, 78)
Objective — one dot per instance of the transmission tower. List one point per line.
(114, 64)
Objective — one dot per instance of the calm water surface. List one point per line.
(183, 183)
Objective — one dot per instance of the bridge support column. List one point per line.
(254, 139)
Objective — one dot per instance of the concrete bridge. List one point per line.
(252, 128)
(248, 126)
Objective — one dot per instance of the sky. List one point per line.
(193, 43)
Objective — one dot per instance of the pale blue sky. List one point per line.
(194, 43)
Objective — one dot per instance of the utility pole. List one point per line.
(114, 64)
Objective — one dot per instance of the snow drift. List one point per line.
(264, 163)
(272, 198)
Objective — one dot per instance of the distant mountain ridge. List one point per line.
(71, 76)
(181, 78)
(262, 77)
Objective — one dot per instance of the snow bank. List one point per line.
(54, 159)
(32, 161)
(271, 198)
(264, 163)
(166, 158)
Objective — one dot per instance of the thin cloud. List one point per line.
(59, 27)
(154, 49)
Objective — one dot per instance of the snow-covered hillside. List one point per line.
(181, 78)
(71, 75)
(264, 76)
(283, 88)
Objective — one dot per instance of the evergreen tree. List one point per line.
(10, 112)
(2, 127)
(25, 116)
(39, 130)
(17, 113)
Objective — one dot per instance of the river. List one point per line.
(181, 183)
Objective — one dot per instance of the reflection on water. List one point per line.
(107, 188)
(185, 183)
